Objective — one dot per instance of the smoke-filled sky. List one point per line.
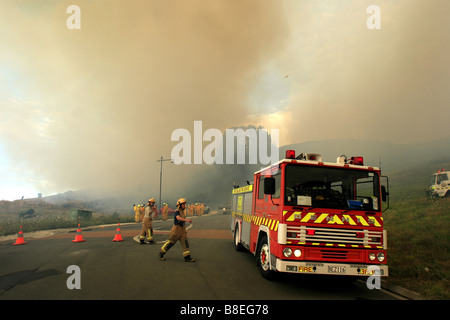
(95, 107)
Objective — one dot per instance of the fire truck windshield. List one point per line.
(335, 188)
(441, 178)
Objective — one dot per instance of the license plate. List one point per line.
(336, 269)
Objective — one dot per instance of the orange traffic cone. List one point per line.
(118, 236)
(19, 239)
(78, 237)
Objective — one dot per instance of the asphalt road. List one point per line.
(129, 271)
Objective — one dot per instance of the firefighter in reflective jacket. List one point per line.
(147, 228)
(178, 233)
(165, 211)
(136, 213)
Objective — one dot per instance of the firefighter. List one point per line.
(141, 212)
(178, 233)
(165, 211)
(147, 227)
(136, 213)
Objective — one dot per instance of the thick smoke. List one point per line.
(348, 81)
(96, 107)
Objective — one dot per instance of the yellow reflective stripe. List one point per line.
(362, 220)
(321, 218)
(307, 217)
(335, 219)
(349, 219)
(272, 224)
(291, 217)
(377, 224)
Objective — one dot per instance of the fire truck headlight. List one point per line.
(381, 256)
(372, 256)
(287, 252)
(297, 252)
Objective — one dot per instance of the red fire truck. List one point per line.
(303, 215)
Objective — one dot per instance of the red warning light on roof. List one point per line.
(357, 160)
(290, 154)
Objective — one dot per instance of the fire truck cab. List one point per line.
(439, 184)
(303, 215)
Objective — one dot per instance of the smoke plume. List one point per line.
(95, 107)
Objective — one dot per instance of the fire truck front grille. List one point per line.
(334, 255)
(338, 236)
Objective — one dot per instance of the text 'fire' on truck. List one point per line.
(439, 184)
(303, 215)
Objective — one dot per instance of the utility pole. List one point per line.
(160, 178)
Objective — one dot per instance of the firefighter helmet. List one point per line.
(181, 201)
(151, 200)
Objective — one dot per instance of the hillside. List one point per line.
(13, 208)
(418, 237)
(412, 183)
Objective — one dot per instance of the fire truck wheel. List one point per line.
(237, 244)
(263, 259)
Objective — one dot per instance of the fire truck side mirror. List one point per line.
(384, 194)
(269, 185)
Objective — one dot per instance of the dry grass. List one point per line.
(418, 246)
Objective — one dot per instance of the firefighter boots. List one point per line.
(189, 259)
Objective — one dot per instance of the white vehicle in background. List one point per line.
(439, 184)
